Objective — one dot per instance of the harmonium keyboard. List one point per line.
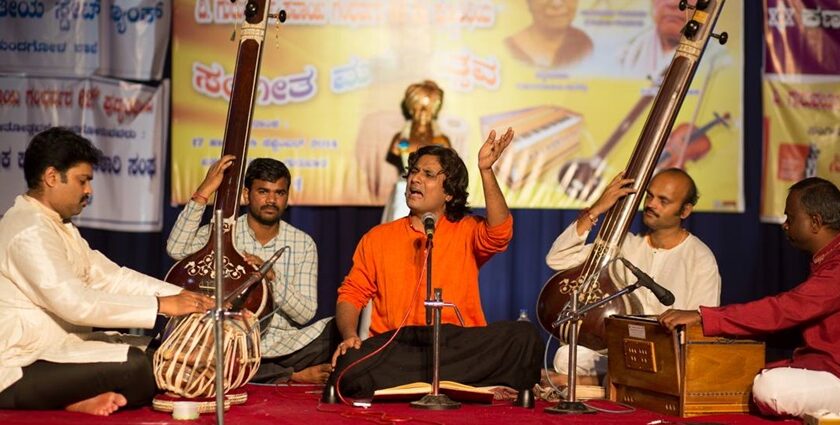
(682, 373)
(545, 137)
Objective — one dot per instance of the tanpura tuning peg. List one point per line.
(691, 28)
(251, 9)
(280, 16)
(702, 4)
(722, 37)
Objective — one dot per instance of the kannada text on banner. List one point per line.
(334, 74)
(126, 121)
(801, 93)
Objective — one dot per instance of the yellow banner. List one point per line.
(801, 136)
(567, 76)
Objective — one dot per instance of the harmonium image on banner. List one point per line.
(332, 99)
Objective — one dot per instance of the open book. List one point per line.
(455, 390)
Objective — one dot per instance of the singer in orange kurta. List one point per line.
(389, 267)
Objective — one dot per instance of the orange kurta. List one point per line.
(389, 268)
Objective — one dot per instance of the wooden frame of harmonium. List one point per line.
(682, 373)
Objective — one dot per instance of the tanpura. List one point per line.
(590, 281)
(196, 272)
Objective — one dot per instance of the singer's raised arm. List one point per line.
(491, 150)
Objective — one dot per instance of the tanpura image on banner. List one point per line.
(574, 79)
(801, 100)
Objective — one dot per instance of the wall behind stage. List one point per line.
(754, 258)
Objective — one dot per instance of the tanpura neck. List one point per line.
(667, 238)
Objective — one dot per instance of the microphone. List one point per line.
(241, 294)
(663, 295)
(429, 220)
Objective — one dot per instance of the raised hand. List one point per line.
(492, 148)
(214, 176)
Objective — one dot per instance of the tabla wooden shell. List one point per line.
(185, 363)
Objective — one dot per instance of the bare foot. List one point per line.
(102, 405)
(560, 380)
(317, 374)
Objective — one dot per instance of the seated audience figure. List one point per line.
(389, 268)
(810, 380)
(54, 289)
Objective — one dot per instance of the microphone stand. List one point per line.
(435, 400)
(218, 318)
(571, 405)
(429, 246)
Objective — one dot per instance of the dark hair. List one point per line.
(266, 169)
(819, 197)
(56, 147)
(456, 181)
(691, 197)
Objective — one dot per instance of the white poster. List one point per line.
(135, 37)
(128, 122)
(113, 38)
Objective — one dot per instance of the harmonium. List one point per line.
(545, 137)
(682, 373)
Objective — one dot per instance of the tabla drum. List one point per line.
(185, 363)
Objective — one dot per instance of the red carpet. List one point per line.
(300, 405)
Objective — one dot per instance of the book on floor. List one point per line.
(455, 390)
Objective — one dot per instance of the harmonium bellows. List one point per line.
(545, 137)
(682, 373)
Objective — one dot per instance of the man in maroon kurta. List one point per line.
(809, 381)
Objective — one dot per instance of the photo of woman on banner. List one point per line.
(550, 41)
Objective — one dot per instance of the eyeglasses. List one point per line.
(429, 174)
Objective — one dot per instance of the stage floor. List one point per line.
(301, 405)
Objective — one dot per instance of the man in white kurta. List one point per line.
(54, 288)
(673, 257)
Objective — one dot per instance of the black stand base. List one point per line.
(329, 395)
(525, 399)
(435, 402)
(569, 408)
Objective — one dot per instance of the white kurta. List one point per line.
(54, 288)
(689, 270)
